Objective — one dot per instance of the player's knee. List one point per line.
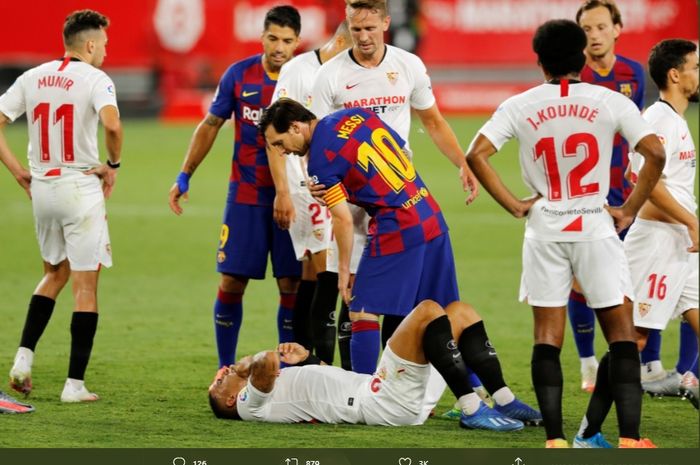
(463, 313)
(362, 315)
(233, 284)
(429, 310)
(288, 285)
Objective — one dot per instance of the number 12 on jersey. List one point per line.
(64, 116)
(546, 149)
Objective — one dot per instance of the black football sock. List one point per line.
(548, 380)
(481, 357)
(38, 316)
(625, 386)
(82, 329)
(344, 336)
(389, 325)
(323, 315)
(441, 350)
(300, 315)
(600, 402)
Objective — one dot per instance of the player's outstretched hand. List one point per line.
(283, 211)
(345, 286)
(292, 353)
(179, 190)
(524, 206)
(693, 233)
(621, 217)
(108, 176)
(469, 183)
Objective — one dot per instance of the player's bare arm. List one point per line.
(662, 206)
(654, 158)
(478, 158)
(343, 232)
(200, 145)
(282, 207)
(114, 136)
(20, 173)
(444, 137)
(264, 370)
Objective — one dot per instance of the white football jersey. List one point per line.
(62, 100)
(296, 78)
(295, 81)
(679, 172)
(400, 82)
(566, 136)
(326, 394)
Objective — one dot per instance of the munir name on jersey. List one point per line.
(55, 81)
(570, 110)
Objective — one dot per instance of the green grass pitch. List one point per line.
(154, 353)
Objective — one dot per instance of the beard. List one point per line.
(695, 97)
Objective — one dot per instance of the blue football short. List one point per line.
(394, 284)
(248, 235)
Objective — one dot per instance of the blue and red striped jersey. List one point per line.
(361, 160)
(244, 90)
(627, 78)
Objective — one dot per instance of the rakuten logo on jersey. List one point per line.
(378, 105)
(252, 115)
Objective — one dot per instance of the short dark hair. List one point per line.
(284, 16)
(609, 4)
(228, 414)
(559, 45)
(667, 55)
(82, 20)
(282, 114)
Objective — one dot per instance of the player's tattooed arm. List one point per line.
(200, 145)
(264, 370)
(213, 120)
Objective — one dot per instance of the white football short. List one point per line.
(360, 220)
(664, 273)
(70, 219)
(311, 231)
(397, 390)
(600, 266)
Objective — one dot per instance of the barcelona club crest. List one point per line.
(626, 89)
(393, 76)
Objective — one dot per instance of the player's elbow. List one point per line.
(113, 127)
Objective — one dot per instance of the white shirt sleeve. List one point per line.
(422, 96)
(104, 93)
(323, 92)
(667, 133)
(12, 102)
(500, 128)
(629, 120)
(288, 83)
